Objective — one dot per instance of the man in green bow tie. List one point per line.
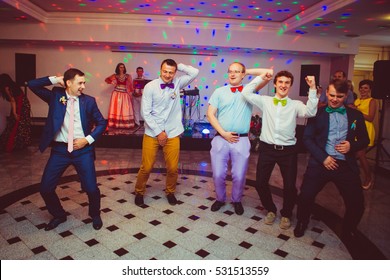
(332, 138)
(278, 140)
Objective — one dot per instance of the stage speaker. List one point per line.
(308, 70)
(381, 89)
(25, 66)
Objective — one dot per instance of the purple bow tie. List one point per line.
(170, 85)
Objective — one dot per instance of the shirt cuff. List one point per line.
(90, 139)
(53, 80)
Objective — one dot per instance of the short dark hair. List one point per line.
(117, 68)
(341, 86)
(169, 62)
(340, 71)
(139, 68)
(367, 82)
(71, 73)
(284, 73)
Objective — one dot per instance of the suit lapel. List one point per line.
(83, 111)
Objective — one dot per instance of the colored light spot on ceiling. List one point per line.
(243, 24)
(281, 31)
(149, 19)
(213, 33)
(256, 65)
(278, 3)
(122, 1)
(82, 5)
(125, 60)
(170, 23)
(213, 65)
(165, 35)
(297, 17)
(129, 55)
(205, 24)
(222, 60)
(324, 8)
(197, 30)
(289, 61)
(228, 37)
(340, 26)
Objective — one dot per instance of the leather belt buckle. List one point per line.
(278, 147)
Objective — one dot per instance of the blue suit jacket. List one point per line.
(89, 112)
(315, 136)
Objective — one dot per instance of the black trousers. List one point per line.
(349, 185)
(286, 158)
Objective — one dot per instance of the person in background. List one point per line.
(139, 84)
(230, 116)
(162, 112)
(73, 124)
(368, 106)
(350, 87)
(332, 138)
(338, 75)
(17, 133)
(278, 140)
(120, 112)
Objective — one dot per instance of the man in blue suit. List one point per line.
(69, 128)
(332, 139)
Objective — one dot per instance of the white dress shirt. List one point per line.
(62, 134)
(279, 122)
(161, 108)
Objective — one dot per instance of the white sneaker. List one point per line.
(270, 218)
(285, 223)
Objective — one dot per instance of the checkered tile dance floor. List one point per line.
(187, 231)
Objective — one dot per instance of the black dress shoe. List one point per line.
(238, 208)
(171, 199)
(55, 222)
(217, 205)
(139, 199)
(300, 228)
(97, 222)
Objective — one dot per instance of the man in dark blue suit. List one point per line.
(332, 139)
(73, 123)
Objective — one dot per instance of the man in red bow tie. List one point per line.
(230, 115)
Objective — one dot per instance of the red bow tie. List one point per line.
(234, 89)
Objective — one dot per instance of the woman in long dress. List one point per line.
(120, 113)
(17, 133)
(368, 106)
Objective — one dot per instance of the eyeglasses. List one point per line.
(234, 72)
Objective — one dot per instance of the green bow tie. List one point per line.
(340, 110)
(282, 101)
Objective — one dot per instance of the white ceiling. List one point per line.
(368, 21)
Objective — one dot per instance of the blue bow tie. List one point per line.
(170, 85)
(340, 110)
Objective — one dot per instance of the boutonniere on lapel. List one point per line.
(173, 95)
(353, 125)
(63, 100)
